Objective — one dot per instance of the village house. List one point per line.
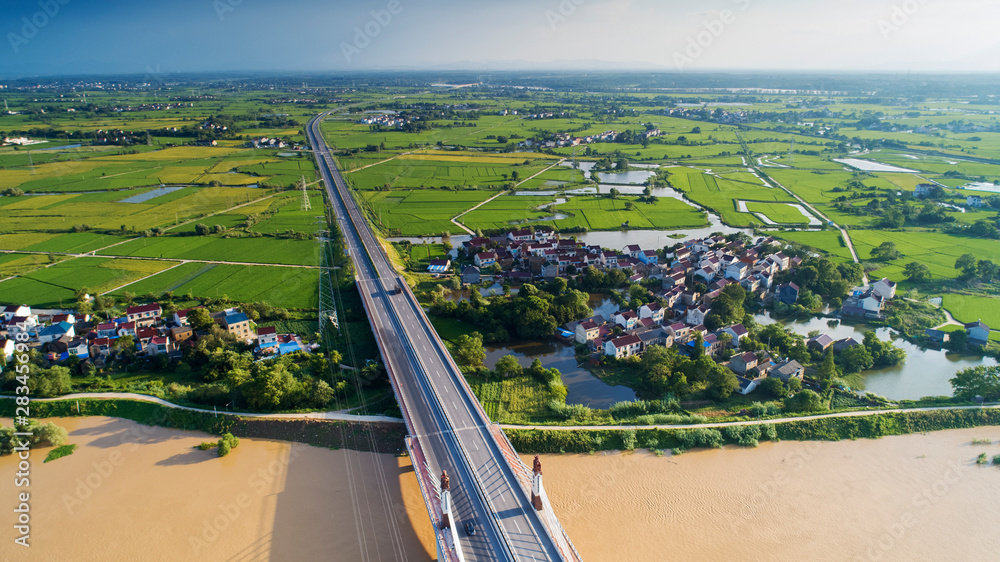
(144, 315)
(743, 362)
(974, 201)
(884, 288)
(819, 343)
(737, 331)
(626, 319)
(55, 331)
(439, 266)
(470, 275)
(587, 331)
(236, 323)
(157, 345)
(126, 329)
(652, 311)
(979, 333)
(937, 337)
(7, 349)
(787, 293)
(12, 311)
(107, 330)
(786, 370)
(624, 346)
(485, 259)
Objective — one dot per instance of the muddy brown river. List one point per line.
(132, 492)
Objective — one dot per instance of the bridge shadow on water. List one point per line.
(342, 505)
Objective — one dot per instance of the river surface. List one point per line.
(925, 372)
(911, 497)
(132, 492)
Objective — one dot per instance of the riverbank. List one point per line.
(330, 433)
(913, 497)
(135, 492)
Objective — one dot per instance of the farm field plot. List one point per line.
(828, 241)
(281, 286)
(175, 165)
(604, 213)
(968, 308)
(168, 280)
(19, 264)
(162, 211)
(76, 242)
(56, 285)
(290, 216)
(250, 250)
(422, 173)
(419, 212)
(778, 212)
(553, 179)
(721, 195)
(22, 240)
(507, 209)
(818, 187)
(937, 251)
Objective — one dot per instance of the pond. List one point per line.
(925, 372)
(632, 177)
(144, 197)
(584, 388)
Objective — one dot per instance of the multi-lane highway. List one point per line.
(440, 410)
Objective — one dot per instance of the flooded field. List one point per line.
(132, 492)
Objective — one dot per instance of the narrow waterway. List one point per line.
(926, 372)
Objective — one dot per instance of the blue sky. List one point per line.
(138, 36)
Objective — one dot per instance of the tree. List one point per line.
(469, 349)
(774, 387)
(507, 367)
(966, 263)
(977, 381)
(886, 251)
(855, 359)
(723, 382)
(200, 319)
(827, 369)
(805, 401)
(917, 272)
(48, 434)
(201, 229)
(957, 341)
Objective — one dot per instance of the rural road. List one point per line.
(342, 415)
(336, 415)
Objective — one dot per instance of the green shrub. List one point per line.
(629, 440)
(745, 435)
(206, 445)
(48, 434)
(223, 448)
(700, 437)
(981, 459)
(60, 452)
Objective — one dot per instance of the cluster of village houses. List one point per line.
(392, 121)
(565, 139)
(61, 334)
(679, 312)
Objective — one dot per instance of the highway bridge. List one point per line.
(448, 429)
